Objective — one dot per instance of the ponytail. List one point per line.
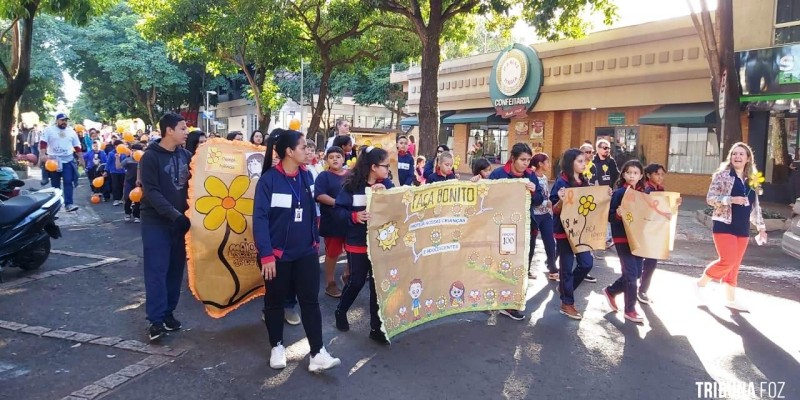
(278, 141)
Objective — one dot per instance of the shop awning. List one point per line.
(468, 117)
(681, 114)
(411, 121)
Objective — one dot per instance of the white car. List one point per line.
(791, 238)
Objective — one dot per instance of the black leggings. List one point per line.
(360, 272)
(117, 183)
(303, 276)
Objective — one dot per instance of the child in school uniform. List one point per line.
(517, 167)
(631, 177)
(131, 168)
(654, 182)
(443, 168)
(570, 276)
(405, 162)
(543, 213)
(93, 159)
(481, 169)
(371, 170)
(326, 187)
(419, 171)
(287, 240)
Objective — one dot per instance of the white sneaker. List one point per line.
(128, 218)
(322, 361)
(291, 316)
(117, 202)
(137, 221)
(277, 358)
(735, 305)
(700, 294)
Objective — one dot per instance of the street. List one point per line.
(76, 328)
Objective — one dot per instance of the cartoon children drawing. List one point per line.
(415, 290)
(457, 294)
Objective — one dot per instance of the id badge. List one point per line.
(298, 215)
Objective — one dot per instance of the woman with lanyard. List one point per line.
(735, 200)
(287, 240)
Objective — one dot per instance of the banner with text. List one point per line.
(448, 248)
(223, 272)
(584, 215)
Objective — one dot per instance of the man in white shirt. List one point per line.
(60, 143)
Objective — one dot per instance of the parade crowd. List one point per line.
(303, 195)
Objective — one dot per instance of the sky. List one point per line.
(630, 12)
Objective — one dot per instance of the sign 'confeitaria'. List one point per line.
(516, 80)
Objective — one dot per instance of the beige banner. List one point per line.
(448, 248)
(650, 221)
(584, 215)
(223, 272)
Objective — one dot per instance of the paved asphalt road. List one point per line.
(76, 328)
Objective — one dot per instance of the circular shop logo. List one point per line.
(512, 71)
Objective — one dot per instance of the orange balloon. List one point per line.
(294, 124)
(122, 149)
(96, 199)
(51, 165)
(128, 137)
(80, 128)
(98, 182)
(135, 195)
(137, 155)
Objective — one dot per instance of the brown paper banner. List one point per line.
(584, 215)
(671, 198)
(648, 223)
(223, 272)
(448, 248)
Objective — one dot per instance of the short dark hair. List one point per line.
(653, 168)
(341, 141)
(334, 149)
(479, 165)
(169, 120)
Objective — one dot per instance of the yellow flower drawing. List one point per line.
(409, 239)
(407, 197)
(756, 179)
(225, 204)
(483, 190)
(629, 217)
(587, 204)
(588, 171)
(214, 156)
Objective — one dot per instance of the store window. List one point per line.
(787, 22)
(693, 150)
(494, 140)
(624, 140)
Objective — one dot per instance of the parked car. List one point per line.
(791, 238)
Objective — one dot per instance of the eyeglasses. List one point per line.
(383, 165)
(603, 147)
(588, 152)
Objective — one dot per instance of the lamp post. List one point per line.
(208, 126)
(302, 108)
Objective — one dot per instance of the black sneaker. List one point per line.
(513, 314)
(171, 323)
(341, 321)
(590, 278)
(378, 336)
(157, 331)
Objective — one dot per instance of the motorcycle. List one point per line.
(27, 223)
(9, 183)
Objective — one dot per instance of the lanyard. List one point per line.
(299, 188)
(744, 188)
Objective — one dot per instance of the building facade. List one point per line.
(646, 88)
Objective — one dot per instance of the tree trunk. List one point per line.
(324, 87)
(780, 150)
(20, 75)
(429, 92)
(254, 86)
(730, 124)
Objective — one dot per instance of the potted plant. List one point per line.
(20, 167)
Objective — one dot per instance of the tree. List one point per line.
(717, 41)
(17, 48)
(45, 89)
(430, 19)
(375, 88)
(113, 61)
(226, 36)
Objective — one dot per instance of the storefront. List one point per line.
(645, 88)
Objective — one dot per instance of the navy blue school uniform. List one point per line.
(438, 177)
(285, 232)
(628, 283)
(348, 205)
(569, 279)
(542, 214)
(405, 168)
(329, 183)
(649, 265)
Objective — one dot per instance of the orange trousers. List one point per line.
(730, 250)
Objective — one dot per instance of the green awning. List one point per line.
(681, 114)
(411, 121)
(468, 117)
